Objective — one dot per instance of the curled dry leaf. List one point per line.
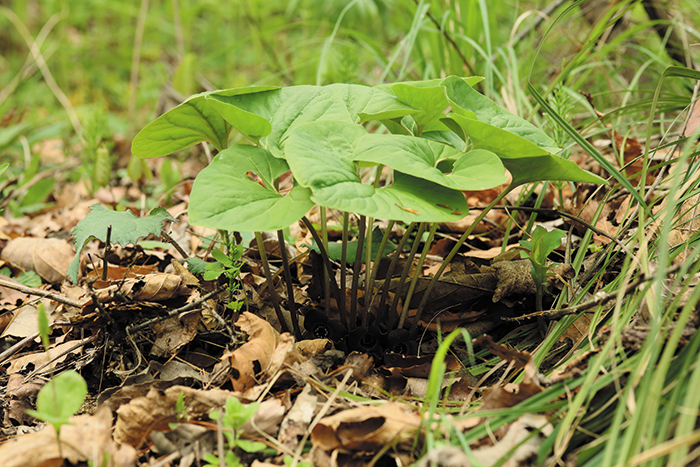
(86, 438)
(48, 257)
(365, 428)
(153, 412)
(150, 288)
(253, 357)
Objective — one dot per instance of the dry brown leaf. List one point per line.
(520, 433)
(152, 288)
(9, 296)
(254, 356)
(57, 353)
(48, 257)
(87, 438)
(173, 333)
(511, 394)
(298, 418)
(141, 415)
(367, 428)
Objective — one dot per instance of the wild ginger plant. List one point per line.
(438, 137)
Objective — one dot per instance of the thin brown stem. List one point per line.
(270, 286)
(291, 303)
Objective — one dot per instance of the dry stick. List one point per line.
(271, 287)
(392, 267)
(291, 303)
(373, 275)
(176, 245)
(419, 268)
(454, 251)
(177, 311)
(404, 275)
(108, 249)
(356, 273)
(56, 297)
(599, 299)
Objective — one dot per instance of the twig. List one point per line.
(599, 299)
(176, 245)
(108, 249)
(177, 311)
(42, 293)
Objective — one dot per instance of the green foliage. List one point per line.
(60, 398)
(126, 229)
(229, 264)
(540, 245)
(29, 278)
(317, 132)
(233, 417)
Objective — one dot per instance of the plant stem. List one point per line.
(369, 234)
(390, 271)
(342, 308)
(373, 276)
(356, 272)
(417, 274)
(324, 256)
(326, 272)
(270, 286)
(291, 303)
(406, 268)
(454, 251)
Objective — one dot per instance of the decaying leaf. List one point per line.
(253, 357)
(141, 415)
(87, 438)
(367, 428)
(151, 288)
(299, 417)
(48, 257)
(527, 433)
(511, 394)
(173, 333)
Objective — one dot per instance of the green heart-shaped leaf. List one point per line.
(284, 109)
(436, 162)
(321, 157)
(465, 101)
(370, 103)
(229, 195)
(187, 124)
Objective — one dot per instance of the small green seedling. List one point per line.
(541, 244)
(61, 397)
(235, 414)
(229, 264)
